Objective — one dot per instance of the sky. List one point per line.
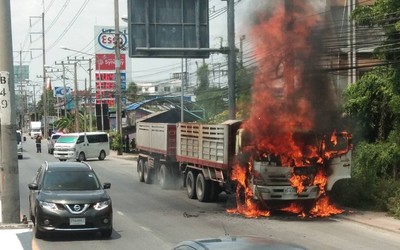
(70, 23)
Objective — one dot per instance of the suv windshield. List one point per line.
(82, 180)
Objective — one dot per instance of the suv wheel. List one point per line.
(106, 233)
(38, 234)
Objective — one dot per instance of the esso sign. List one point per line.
(106, 39)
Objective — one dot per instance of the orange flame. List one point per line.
(282, 106)
(324, 209)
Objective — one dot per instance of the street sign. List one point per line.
(168, 29)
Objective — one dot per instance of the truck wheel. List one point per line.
(215, 191)
(203, 188)
(140, 170)
(164, 176)
(147, 173)
(191, 185)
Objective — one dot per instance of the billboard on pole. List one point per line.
(168, 29)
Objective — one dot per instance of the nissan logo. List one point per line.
(77, 207)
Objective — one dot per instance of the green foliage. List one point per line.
(131, 92)
(204, 81)
(370, 102)
(394, 204)
(116, 141)
(211, 100)
(68, 123)
(244, 79)
(371, 185)
(382, 14)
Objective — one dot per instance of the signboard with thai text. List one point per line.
(107, 62)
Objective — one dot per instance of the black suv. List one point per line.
(68, 196)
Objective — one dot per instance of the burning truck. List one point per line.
(212, 158)
(286, 154)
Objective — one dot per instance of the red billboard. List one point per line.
(107, 62)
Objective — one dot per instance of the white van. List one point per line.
(82, 146)
(20, 149)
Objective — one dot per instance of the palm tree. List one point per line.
(68, 123)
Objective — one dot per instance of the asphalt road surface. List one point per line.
(147, 217)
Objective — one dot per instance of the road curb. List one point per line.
(14, 226)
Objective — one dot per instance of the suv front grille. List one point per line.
(76, 208)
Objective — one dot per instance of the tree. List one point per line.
(68, 123)
(244, 79)
(202, 74)
(131, 92)
(374, 103)
(210, 99)
(369, 103)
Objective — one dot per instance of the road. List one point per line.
(146, 217)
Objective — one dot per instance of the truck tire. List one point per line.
(215, 191)
(147, 171)
(191, 185)
(140, 170)
(203, 188)
(164, 176)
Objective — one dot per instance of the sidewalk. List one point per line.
(374, 219)
(16, 236)
(127, 156)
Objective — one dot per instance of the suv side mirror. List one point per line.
(107, 185)
(33, 186)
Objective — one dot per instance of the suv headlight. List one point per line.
(48, 205)
(101, 205)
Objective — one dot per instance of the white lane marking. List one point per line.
(146, 229)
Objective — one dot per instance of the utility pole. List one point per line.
(118, 74)
(231, 59)
(241, 50)
(76, 99)
(21, 100)
(45, 108)
(9, 174)
(64, 86)
(74, 61)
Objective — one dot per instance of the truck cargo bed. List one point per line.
(156, 138)
(203, 144)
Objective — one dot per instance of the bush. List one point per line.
(372, 185)
(116, 141)
(394, 204)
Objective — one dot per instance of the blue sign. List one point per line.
(123, 81)
(59, 91)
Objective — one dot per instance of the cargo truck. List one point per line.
(204, 156)
(35, 129)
